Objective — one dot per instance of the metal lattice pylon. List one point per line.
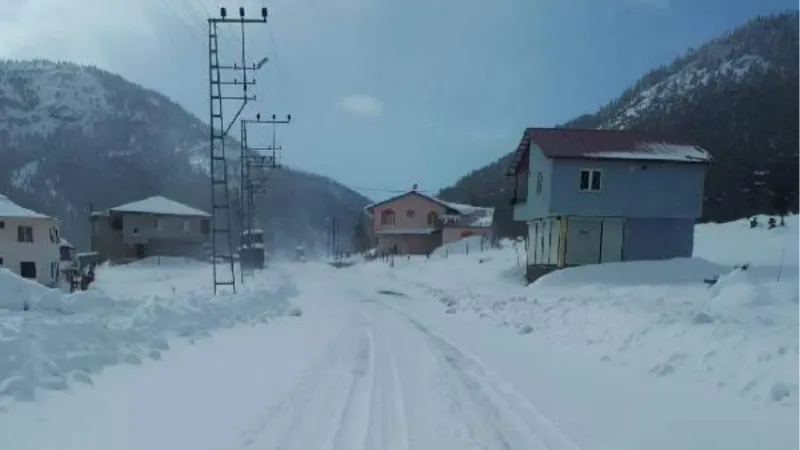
(221, 231)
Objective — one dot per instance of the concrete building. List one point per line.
(29, 243)
(155, 226)
(417, 223)
(596, 196)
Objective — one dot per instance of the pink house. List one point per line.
(417, 223)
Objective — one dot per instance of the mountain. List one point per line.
(73, 136)
(736, 95)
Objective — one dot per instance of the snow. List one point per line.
(21, 178)
(52, 340)
(656, 151)
(682, 82)
(160, 205)
(450, 353)
(10, 209)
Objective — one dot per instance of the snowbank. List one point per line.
(659, 318)
(49, 340)
(471, 244)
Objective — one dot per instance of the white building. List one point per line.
(29, 243)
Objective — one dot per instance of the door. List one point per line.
(141, 250)
(612, 240)
(27, 269)
(583, 241)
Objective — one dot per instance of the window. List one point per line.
(187, 226)
(27, 269)
(1, 260)
(135, 231)
(55, 233)
(24, 234)
(433, 218)
(591, 180)
(2, 224)
(410, 213)
(539, 182)
(116, 223)
(159, 224)
(387, 217)
(204, 225)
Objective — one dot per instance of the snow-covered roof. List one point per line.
(160, 205)
(659, 151)
(66, 243)
(11, 209)
(470, 216)
(465, 215)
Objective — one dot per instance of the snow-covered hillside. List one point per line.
(448, 352)
(74, 136)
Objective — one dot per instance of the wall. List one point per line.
(629, 189)
(451, 234)
(420, 205)
(415, 244)
(141, 228)
(170, 240)
(41, 251)
(536, 205)
(658, 239)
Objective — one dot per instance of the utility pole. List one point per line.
(256, 164)
(218, 133)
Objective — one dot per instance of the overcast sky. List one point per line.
(386, 93)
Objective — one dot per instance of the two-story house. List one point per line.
(155, 226)
(417, 223)
(29, 243)
(595, 196)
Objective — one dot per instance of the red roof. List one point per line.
(558, 143)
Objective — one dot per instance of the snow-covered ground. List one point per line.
(450, 352)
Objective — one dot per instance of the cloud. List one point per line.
(362, 105)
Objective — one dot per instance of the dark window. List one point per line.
(116, 223)
(387, 217)
(591, 180)
(539, 182)
(2, 224)
(596, 180)
(204, 225)
(27, 269)
(24, 234)
(1, 260)
(136, 231)
(432, 218)
(55, 233)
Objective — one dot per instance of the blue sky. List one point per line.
(387, 93)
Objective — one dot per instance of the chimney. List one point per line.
(414, 188)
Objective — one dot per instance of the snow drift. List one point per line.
(660, 318)
(50, 340)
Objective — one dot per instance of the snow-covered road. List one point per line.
(388, 382)
(377, 364)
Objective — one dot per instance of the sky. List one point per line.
(387, 93)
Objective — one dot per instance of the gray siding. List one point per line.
(536, 205)
(629, 189)
(648, 239)
(170, 239)
(141, 228)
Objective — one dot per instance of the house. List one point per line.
(155, 226)
(29, 243)
(595, 196)
(417, 223)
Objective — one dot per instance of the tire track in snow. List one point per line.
(515, 421)
(386, 427)
(286, 418)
